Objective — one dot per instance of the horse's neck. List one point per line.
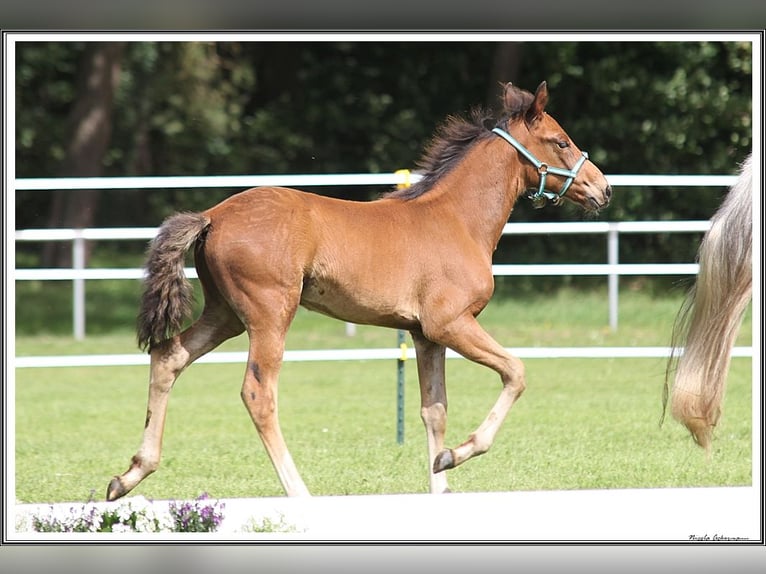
(482, 190)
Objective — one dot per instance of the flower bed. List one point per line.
(136, 514)
(140, 515)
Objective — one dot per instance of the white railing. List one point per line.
(78, 274)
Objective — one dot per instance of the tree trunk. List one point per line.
(505, 68)
(90, 128)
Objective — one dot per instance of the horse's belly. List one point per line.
(365, 307)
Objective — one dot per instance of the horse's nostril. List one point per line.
(608, 192)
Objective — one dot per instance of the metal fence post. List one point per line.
(400, 336)
(78, 285)
(613, 248)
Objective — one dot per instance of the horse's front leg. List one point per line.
(465, 336)
(433, 403)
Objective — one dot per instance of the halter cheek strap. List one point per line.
(544, 169)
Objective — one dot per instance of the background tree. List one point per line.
(88, 128)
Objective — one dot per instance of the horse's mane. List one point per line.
(449, 144)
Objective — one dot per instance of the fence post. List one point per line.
(402, 346)
(78, 285)
(613, 248)
(400, 336)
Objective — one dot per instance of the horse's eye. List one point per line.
(563, 144)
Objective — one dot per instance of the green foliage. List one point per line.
(654, 107)
(45, 89)
(645, 108)
(267, 524)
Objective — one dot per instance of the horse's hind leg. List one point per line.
(168, 360)
(433, 403)
(259, 389)
(466, 336)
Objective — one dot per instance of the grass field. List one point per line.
(582, 424)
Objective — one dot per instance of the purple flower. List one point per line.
(197, 516)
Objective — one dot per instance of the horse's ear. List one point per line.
(537, 107)
(514, 99)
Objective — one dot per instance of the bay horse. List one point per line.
(709, 319)
(417, 259)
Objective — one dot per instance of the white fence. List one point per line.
(78, 274)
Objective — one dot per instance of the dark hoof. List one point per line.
(115, 489)
(444, 461)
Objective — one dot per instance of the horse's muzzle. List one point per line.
(597, 205)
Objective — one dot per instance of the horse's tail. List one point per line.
(709, 319)
(167, 297)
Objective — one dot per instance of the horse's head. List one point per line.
(555, 168)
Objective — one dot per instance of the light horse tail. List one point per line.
(167, 297)
(709, 319)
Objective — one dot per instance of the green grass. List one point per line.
(582, 424)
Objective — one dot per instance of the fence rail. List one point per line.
(383, 353)
(396, 178)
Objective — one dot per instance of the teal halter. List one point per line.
(538, 198)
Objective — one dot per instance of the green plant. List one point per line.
(266, 524)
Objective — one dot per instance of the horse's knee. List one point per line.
(434, 416)
(515, 378)
(167, 361)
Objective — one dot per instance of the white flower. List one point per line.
(124, 512)
(145, 522)
(140, 504)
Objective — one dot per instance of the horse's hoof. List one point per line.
(444, 461)
(115, 489)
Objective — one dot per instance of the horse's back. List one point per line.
(280, 218)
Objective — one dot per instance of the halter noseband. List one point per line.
(538, 198)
